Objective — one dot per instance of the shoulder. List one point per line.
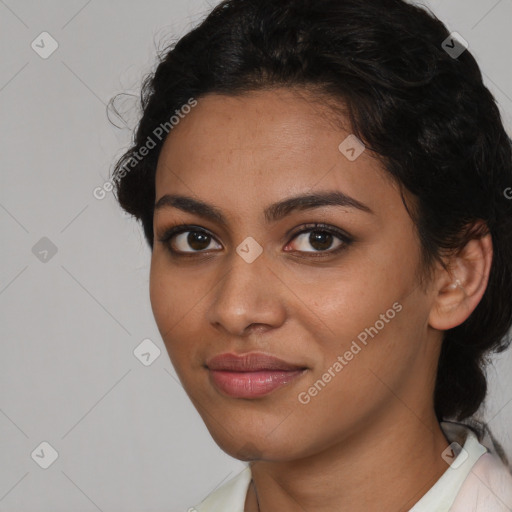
(488, 487)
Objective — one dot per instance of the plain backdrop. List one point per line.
(74, 295)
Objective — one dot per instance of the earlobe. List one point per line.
(461, 287)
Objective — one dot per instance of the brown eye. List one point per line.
(195, 240)
(319, 239)
(187, 240)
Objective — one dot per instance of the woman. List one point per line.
(322, 184)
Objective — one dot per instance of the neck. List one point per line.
(389, 465)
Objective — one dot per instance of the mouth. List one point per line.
(251, 375)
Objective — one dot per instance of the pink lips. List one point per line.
(251, 375)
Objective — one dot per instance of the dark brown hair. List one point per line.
(426, 114)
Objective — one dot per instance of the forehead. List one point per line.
(263, 146)
(278, 118)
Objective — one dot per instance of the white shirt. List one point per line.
(475, 481)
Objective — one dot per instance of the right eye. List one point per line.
(179, 239)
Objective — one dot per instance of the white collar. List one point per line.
(231, 496)
(441, 496)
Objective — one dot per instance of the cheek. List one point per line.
(172, 295)
(169, 301)
(365, 311)
(344, 300)
(373, 341)
(177, 301)
(159, 293)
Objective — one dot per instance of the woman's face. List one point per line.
(340, 303)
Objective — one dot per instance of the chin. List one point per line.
(251, 445)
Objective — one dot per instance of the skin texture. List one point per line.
(369, 440)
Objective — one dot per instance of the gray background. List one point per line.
(126, 435)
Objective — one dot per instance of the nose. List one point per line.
(249, 297)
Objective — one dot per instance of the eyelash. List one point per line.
(177, 229)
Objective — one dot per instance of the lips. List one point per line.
(250, 375)
(251, 362)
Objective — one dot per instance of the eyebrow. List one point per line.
(272, 213)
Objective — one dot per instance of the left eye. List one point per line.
(320, 239)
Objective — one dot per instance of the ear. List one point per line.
(460, 288)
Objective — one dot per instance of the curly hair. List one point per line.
(424, 112)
